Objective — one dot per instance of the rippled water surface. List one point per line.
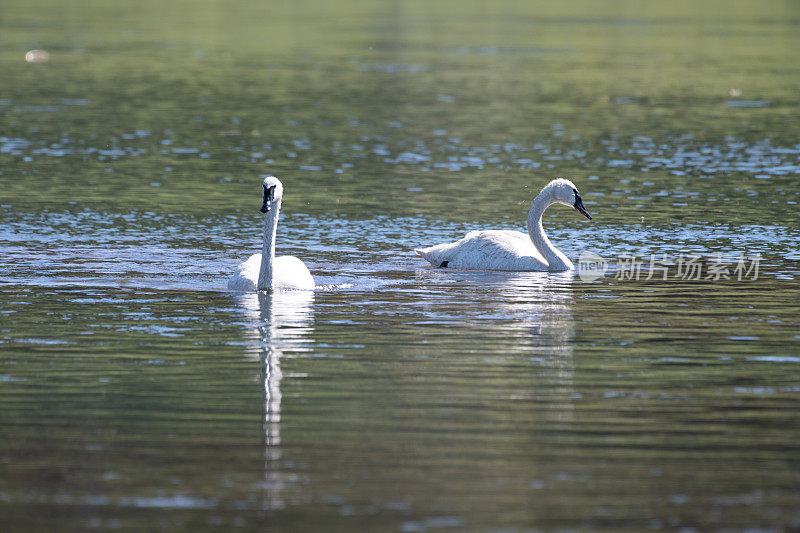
(138, 393)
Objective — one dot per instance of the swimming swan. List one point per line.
(512, 250)
(264, 271)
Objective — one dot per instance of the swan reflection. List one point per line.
(280, 325)
(527, 314)
(542, 306)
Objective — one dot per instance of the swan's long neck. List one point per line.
(268, 250)
(555, 259)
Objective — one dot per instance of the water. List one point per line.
(138, 393)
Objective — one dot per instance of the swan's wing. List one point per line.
(487, 250)
(290, 272)
(245, 277)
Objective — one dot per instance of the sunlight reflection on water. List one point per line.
(141, 249)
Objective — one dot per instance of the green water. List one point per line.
(137, 393)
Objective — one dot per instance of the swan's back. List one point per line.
(487, 250)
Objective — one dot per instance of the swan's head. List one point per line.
(565, 192)
(272, 191)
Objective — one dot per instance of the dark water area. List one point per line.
(137, 392)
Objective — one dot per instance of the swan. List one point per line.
(512, 250)
(264, 271)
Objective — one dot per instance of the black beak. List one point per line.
(269, 196)
(579, 206)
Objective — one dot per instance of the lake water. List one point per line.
(138, 393)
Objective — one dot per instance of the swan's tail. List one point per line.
(422, 253)
(433, 254)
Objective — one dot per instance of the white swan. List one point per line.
(512, 250)
(264, 271)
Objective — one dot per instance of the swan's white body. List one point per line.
(264, 271)
(289, 273)
(511, 250)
